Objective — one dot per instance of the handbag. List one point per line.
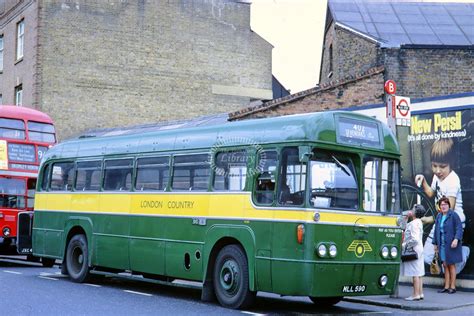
(434, 265)
(409, 254)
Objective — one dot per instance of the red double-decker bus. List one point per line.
(25, 135)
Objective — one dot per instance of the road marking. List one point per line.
(45, 274)
(12, 272)
(47, 278)
(250, 313)
(139, 293)
(93, 285)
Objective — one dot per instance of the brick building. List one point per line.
(426, 48)
(96, 64)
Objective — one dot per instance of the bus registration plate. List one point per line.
(353, 288)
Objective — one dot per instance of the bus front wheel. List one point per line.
(77, 259)
(231, 278)
(326, 301)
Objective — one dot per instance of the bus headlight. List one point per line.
(6, 231)
(393, 252)
(332, 251)
(384, 252)
(383, 280)
(322, 250)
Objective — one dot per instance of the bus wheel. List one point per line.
(231, 278)
(326, 301)
(48, 262)
(77, 258)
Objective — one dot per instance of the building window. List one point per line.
(1, 53)
(20, 38)
(19, 95)
(330, 61)
(1, 99)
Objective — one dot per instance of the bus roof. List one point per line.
(308, 128)
(24, 113)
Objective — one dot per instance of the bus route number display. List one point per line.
(352, 131)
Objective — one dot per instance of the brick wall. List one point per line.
(418, 72)
(23, 71)
(364, 88)
(120, 63)
(351, 54)
(430, 72)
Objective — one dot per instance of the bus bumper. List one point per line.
(354, 279)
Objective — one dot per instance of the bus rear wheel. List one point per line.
(77, 255)
(326, 301)
(231, 278)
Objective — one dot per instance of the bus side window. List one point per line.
(88, 176)
(152, 174)
(62, 176)
(191, 172)
(116, 175)
(230, 170)
(45, 177)
(291, 190)
(265, 187)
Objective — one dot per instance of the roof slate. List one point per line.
(400, 22)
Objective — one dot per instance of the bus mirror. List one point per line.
(304, 153)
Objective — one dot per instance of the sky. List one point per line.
(295, 29)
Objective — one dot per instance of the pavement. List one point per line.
(432, 300)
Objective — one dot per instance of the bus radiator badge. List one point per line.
(359, 247)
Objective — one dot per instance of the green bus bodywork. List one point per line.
(201, 236)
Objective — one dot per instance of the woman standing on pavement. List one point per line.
(414, 240)
(447, 241)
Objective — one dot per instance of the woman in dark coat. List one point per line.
(448, 242)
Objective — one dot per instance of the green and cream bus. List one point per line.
(302, 205)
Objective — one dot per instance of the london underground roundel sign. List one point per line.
(390, 87)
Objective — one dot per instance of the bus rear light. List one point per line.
(300, 233)
(332, 251)
(6, 231)
(384, 252)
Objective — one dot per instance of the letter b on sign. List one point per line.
(390, 87)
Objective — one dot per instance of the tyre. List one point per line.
(77, 255)
(326, 301)
(48, 262)
(231, 278)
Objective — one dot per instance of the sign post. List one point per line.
(390, 88)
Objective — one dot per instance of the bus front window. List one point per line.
(381, 185)
(12, 193)
(333, 182)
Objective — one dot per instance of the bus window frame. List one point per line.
(280, 179)
(101, 171)
(355, 162)
(50, 180)
(259, 173)
(173, 165)
(378, 210)
(104, 173)
(249, 156)
(167, 186)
